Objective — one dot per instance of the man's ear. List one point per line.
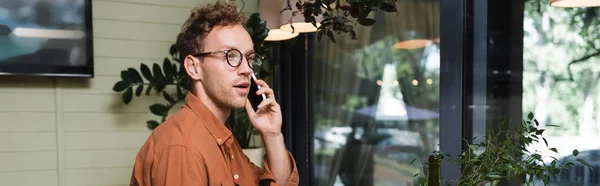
(192, 67)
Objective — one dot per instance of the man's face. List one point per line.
(226, 86)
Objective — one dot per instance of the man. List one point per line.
(195, 145)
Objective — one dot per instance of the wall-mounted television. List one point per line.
(46, 38)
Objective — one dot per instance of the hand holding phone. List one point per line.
(254, 99)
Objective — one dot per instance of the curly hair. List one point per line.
(201, 21)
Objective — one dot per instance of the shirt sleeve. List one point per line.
(177, 166)
(266, 176)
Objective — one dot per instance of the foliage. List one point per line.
(561, 47)
(172, 82)
(505, 155)
(335, 14)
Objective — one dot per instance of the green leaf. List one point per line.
(167, 68)
(584, 163)
(553, 164)
(411, 162)
(125, 76)
(536, 122)
(366, 21)
(158, 76)
(146, 72)
(493, 176)
(134, 75)
(554, 150)
(168, 98)
(539, 132)
(120, 86)
(158, 109)
(152, 124)
(173, 50)
(330, 35)
(575, 152)
(139, 90)
(417, 174)
(388, 8)
(128, 95)
(530, 115)
(148, 89)
(552, 126)
(546, 142)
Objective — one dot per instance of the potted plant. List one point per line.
(171, 81)
(504, 156)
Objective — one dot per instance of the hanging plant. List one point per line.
(336, 14)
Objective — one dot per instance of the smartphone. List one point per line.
(254, 99)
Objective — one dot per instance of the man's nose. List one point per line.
(244, 68)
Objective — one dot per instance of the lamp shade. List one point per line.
(269, 11)
(297, 21)
(412, 44)
(574, 3)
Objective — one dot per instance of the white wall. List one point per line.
(76, 132)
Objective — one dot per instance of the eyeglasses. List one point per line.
(234, 58)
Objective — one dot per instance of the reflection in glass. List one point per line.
(375, 105)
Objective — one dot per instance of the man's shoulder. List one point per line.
(179, 129)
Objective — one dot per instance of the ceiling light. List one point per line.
(412, 44)
(269, 11)
(574, 3)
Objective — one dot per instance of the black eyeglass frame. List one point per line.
(257, 57)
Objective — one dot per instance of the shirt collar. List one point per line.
(218, 130)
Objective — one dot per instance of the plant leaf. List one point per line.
(168, 98)
(167, 68)
(493, 176)
(146, 72)
(173, 50)
(148, 89)
(538, 132)
(388, 8)
(128, 95)
(139, 90)
(125, 76)
(575, 152)
(120, 86)
(584, 163)
(553, 150)
(530, 115)
(546, 142)
(552, 126)
(330, 35)
(135, 75)
(417, 174)
(366, 21)
(152, 124)
(158, 109)
(158, 76)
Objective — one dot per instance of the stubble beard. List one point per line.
(223, 96)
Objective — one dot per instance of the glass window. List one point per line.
(375, 100)
(560, 83)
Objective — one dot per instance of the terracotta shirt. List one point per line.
(193, 148)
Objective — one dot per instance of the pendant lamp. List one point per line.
(269, 11)
(574, 3)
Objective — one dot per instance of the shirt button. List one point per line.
(219, 140)
(236, 176)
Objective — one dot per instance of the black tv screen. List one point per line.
(46, 38)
